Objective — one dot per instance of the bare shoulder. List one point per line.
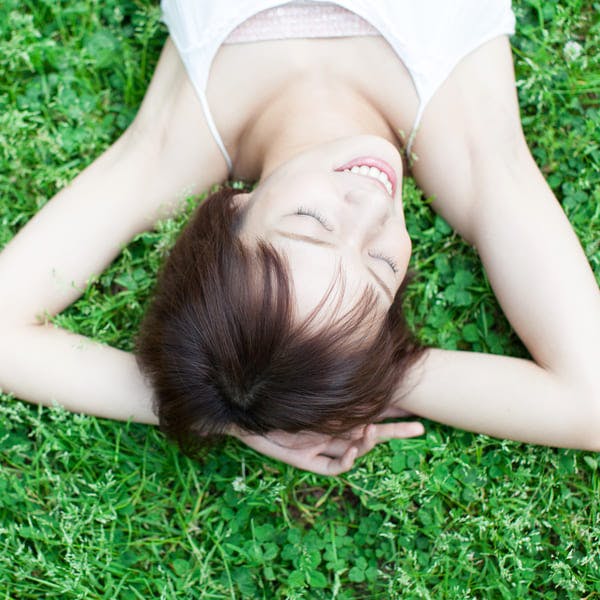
(471, 130)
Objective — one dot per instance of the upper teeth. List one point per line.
(373, 172)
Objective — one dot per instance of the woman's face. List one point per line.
(329, 218)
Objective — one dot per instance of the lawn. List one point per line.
(96, 509)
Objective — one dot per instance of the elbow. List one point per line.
(10, 328)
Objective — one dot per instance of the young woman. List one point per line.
(313, 102)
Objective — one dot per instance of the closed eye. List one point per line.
(310, 212)
(319, 242)
(390, 261)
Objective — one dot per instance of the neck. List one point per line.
(320, 114)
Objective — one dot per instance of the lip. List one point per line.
(371, 161)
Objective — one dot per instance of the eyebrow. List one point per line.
(299, 237)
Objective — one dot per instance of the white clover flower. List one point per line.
(239, 485)
(572, 50)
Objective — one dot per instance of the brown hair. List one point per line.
(220, 346)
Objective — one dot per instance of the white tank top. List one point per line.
(429, 36)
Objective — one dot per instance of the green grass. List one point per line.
(95, 509)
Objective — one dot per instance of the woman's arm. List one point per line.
(474, 160)
(167, 153)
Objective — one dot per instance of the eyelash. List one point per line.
(388, 260)
(309, 212)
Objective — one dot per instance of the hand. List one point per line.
(327, 454)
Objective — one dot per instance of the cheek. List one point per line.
(311, 274)
(407, 244)
(406, 250)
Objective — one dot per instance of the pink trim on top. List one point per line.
(299, 20)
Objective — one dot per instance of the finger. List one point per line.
(335, 466)
(363, 437)
(336, 447)
(372, 435)
(399, 430)
(326, 465)
(356, 433)
(368, 441)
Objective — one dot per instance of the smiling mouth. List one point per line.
(376, 169)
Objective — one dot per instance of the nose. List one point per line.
(371, 195)
(367, 211)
